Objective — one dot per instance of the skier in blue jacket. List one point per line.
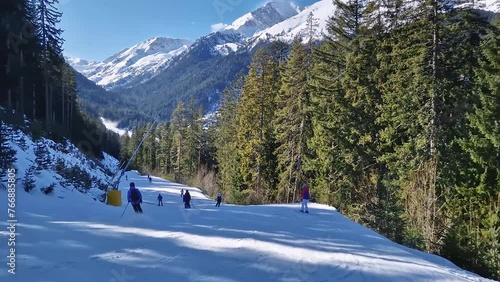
(160, 200)
(134, 197)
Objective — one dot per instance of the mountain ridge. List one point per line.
(268, 15)
(133, 65)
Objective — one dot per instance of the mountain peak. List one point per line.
(264, 17)
(283, 5)
(158, 44)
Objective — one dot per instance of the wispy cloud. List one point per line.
(219, 26)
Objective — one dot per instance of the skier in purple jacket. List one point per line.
(134, 197)
(305, 198)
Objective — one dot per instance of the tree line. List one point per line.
(38, 84)
(393, 119)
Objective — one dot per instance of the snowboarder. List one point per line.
(160, 199)
(305, 198)
(134, 197)
(187, 199)
(219, 199)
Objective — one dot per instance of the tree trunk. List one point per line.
(289, 188)
(20, 104)
(52, 113)
(434, 77)
(179, 152)
(9, 91)
(46, 81)
(34, 101)
(70, 115)
(63, 102)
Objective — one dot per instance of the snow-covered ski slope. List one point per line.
(69, 237)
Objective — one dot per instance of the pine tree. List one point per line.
(42, 157)
(47, 17)
(343, 101)
(125, 153)
(20, 140)
(29, 181)
(477, 203)
(32, 89)
(148, 150)
(193, 139)
(311, 35)
(226, 142)
(256, 140)
(292, 122)
(163, 158)
(7, 154)
(68, 94)
(9, 8)
(179, 124)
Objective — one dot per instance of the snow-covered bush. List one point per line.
(48, 190)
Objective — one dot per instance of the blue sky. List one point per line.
(97, 29)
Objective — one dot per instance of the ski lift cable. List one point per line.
(115, 185)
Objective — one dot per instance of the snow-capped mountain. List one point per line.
(264, 17)
(236, 36)
(83, 66)
(145, 60)
(490, 5)
(134, 65)
(322, 11)
(220, 42)
(297, 24)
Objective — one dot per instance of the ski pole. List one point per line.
(124, 210)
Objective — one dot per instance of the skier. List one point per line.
(305, 198)
(187, 199)
(182, 194)
(134, 197)
(219, 199)
(160, 200)
(126, 177)
(150, 179)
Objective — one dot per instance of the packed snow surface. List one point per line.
(71, 237)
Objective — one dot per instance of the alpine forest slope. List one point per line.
(37, 85)
(392, 119)
(45, 167)
(98, 102)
